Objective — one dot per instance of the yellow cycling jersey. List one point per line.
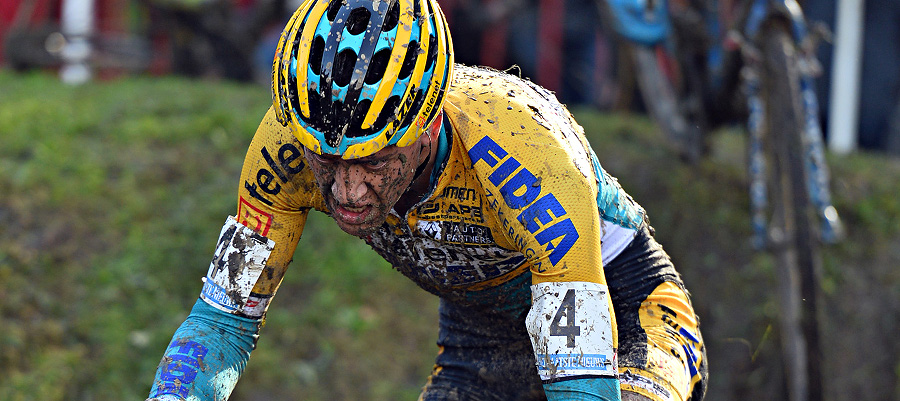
(519, 190)
(520, 215)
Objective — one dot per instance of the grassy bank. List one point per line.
(112, 195)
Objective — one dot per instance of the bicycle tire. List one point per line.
(666, 104)
(797, 249)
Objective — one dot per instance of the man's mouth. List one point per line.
(352, 214)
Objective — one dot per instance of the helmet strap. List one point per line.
(434, 131)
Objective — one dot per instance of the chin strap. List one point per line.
(436, 132)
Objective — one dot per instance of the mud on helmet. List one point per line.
(351, 77)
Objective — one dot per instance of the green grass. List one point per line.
(112, 195)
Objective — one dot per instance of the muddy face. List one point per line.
(361, 192)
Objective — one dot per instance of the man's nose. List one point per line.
(349, 184)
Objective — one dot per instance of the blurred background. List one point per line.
(124, 123)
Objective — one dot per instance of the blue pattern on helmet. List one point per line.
(350, 41)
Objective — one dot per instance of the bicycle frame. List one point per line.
(814, 151)
(731, 60)
(761, 62)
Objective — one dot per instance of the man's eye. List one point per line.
(321, 159)
(375, 164)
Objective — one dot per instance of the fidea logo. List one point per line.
(521, 190)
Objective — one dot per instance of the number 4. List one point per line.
(570, 330)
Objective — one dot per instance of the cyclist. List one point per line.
(477, 185)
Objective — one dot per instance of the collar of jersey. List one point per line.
(443, 152)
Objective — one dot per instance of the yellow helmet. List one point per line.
(351, 77)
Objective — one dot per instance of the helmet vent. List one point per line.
(343, 67)
(358, 21)
(359, 114)
(388, 113)
(412, 52)
(392, 18)
(333, 9)
(334, 133)
(315, 55)
(432, 52)
(377, 66)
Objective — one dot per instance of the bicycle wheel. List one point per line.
(667, 103)
(792, 233)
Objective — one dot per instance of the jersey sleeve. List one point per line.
(209, 350)
(276, 192)
(539, 180)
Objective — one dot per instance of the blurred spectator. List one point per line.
(556, 43)
(24, 28)
(879, 100)
(33, 37)
(469, 20)
(205, 36)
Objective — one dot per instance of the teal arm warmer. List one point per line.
(584, 389)
(207, 355)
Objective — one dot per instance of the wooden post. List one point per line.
(550, 42)
(77, 26)
(843, 112)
